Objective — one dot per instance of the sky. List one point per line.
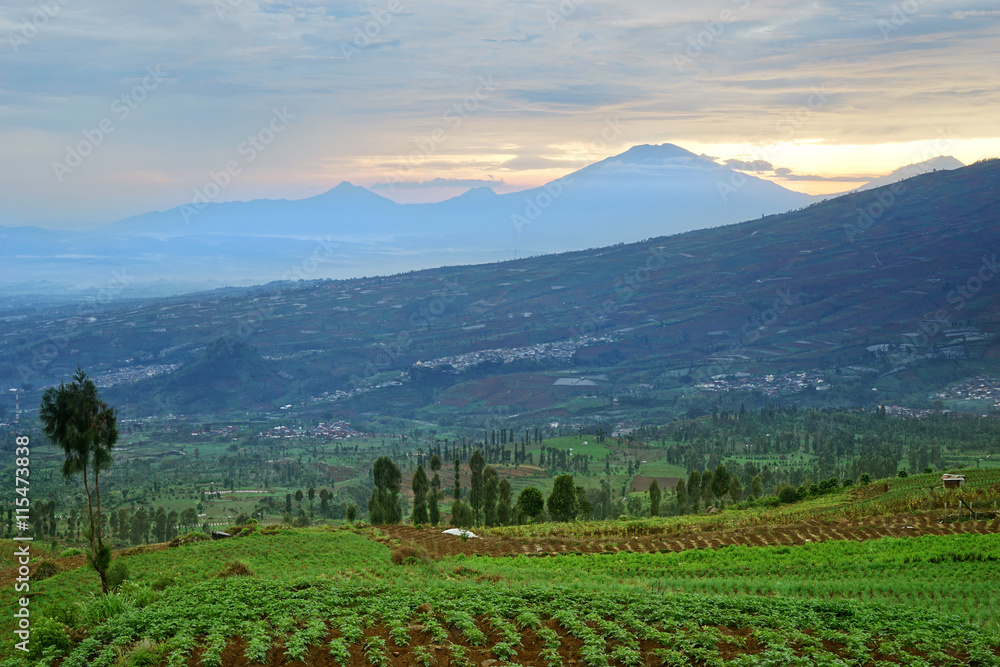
(110, 109)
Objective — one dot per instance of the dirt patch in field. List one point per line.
(642, 482)
(438, 545)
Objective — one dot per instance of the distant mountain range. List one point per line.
(892, 289)
(350, 231)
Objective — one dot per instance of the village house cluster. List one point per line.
(769, 385)
(561, 350)
(982, 388)
(337, 430)
(132, 374)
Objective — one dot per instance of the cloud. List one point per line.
(440, 183)
(835, 179)
(756, 165)
(749, 80)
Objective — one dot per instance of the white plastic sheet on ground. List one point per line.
(460, 533)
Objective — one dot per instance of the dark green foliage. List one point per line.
(681, 491)
(735, 489)
(118, 573)
(47, 632)
(720, 481)
(433, 497)
(420, 488)
(706, 487)
(75, 418)
(530, 502)
(383, 507)
(654, 498)
(787, 494)
(756, 486)
(504, 504)
(584, 508)
(491, 489)
(461, 514)
(562, 504)
(44, 570)
(476, 465)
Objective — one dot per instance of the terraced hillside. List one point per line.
(827, 286)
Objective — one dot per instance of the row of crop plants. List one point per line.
(463, 621)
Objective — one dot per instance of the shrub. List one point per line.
(44, 570)
(903, 473)
(408, 555)
(146, 653)
(72, 551)
(847, 483)
(864, 479)
(47, 632)
(99, 608)
(236, 568)
(163, 581)
(140, 595)
(66, 613)
(787, 494)
(117, 574)
(928, 469)
(187, 539)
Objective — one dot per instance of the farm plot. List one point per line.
(387, 626)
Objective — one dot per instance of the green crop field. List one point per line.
(336, 596)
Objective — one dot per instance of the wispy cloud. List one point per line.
(440, 183)
(562, 79)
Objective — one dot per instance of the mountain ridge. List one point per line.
(778, 294)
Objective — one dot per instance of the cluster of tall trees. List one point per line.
(140, 526)
(487, 502)
(702, 488)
